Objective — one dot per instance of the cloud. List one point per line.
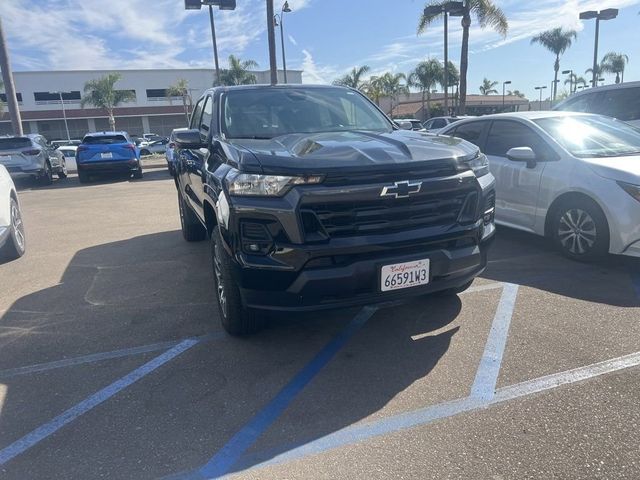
(313, 73)
(293, 40)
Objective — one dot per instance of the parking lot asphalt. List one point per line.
(113, 363)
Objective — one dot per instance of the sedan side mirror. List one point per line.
(189, 139)
(522, 154)
(405, 125)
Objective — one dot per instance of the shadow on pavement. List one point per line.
(157, 288)
(530, 260)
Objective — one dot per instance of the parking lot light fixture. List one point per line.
(505, 83)
(607, 14)
(570, 73)
(543, 87)
(222, 5)
(278, 20)
(64, 114)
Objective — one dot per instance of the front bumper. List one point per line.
(358, 283)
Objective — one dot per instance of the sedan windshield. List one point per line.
(593, 136)
(271, 112)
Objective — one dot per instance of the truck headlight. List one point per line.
(479, 165)
(251, 184)
(633, 190)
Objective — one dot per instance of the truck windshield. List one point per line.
(263, 113)
(593, 136)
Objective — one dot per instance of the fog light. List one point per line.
(487, 218)
(254, 247)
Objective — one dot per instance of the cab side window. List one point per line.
(439, 123)
(583, 103)
(197, 113)
(207, 114)
(505, 135)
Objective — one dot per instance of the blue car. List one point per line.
(108, 152)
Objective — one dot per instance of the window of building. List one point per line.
(133, 92)
(53, 97)
(3, 97)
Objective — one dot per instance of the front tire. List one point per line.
(145, 152)
(62, 174)
(47, 175)
(580, 230)
(236, 318)
(138, 173)
(16, 244)
(192, 229)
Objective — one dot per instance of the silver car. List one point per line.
(32, 156)
(570, 176)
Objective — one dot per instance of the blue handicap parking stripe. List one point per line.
(227, 456)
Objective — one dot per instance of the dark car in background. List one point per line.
(107, 153)
(314, 199)
(32, 156)
(170, 151)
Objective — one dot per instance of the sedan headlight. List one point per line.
(250, 184)
(479, 165)
(633, 190)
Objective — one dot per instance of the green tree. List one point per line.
(487, 14)
(614, 62)
(425, 76)
(238, 72)
(487, 87)
(393, 86)
(354, 79)
(181, 89)
(516, 93)
(101, 93)
(374, 89)
(557, 41)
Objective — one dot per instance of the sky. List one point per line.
(325, 38)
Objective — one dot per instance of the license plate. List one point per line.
(106, 155)
(404, 275)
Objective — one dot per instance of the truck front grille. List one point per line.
(387, 215)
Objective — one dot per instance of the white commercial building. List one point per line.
(150, 112)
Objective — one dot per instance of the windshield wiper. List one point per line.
(251, 137)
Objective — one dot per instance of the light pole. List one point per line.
(570, 73)
(276, 17)
(64, 114)
(222, 5)
(508, 82)
(607, 14)
(9, 87)
(541, 88)
(455, 9)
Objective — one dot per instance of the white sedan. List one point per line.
(12, 239)
(570, 176)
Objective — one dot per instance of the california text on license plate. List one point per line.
(107, 155)
(404, 275)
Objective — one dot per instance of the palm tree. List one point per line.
(374, 89)
(575, 80)
(487, 87)
(181, 89)
(557, 41)
(425, 76)
(392, 86)
(101, 94)
(614, 62)
(238, 72)
(487, 14)
(515, 93)
(589, 72)
(354, 78)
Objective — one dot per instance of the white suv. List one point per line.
(12, 239)
(621, 101)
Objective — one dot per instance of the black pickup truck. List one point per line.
(314, 199)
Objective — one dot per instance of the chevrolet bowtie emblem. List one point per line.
(401, 189)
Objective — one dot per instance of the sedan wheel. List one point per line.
(18, 227)
(577, 231)
(580, 229)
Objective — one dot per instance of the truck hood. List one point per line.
(622, 169)
(321, 152)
